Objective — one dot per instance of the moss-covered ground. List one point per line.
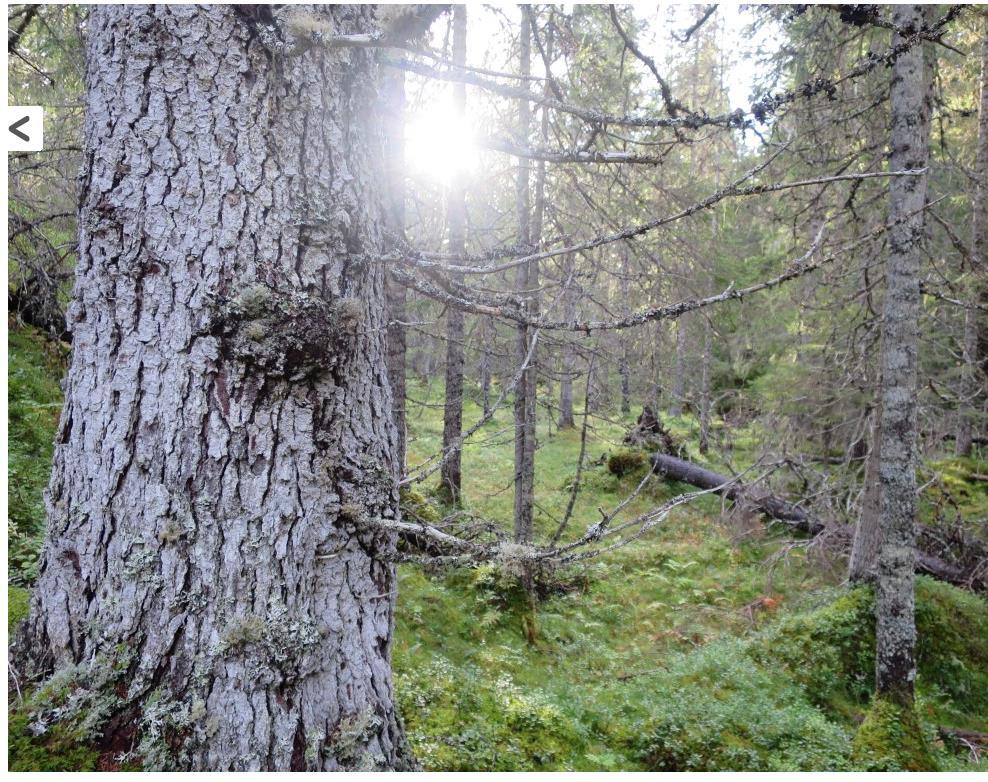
(707, 645)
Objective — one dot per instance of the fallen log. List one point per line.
(794, 516)
(681, 470)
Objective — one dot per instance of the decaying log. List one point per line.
(775, 507)
(797, 517)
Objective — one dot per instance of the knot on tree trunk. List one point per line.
(287, 334)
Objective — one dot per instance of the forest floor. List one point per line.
(713, 643)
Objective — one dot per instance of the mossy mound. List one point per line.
(891, 739)
(714, 710)
(465, 722)
(625, 462)
(831, 651)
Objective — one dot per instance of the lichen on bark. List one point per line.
(226, 400)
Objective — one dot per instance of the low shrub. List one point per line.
(716, 710)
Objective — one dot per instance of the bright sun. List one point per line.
(440, 143)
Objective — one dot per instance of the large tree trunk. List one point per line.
(896, 627)
(211, 565)
(975, 322)
(451, 475)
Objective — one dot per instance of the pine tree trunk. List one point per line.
(624, 367)
(704, 444)
(975, 368)
(868, 531)
(488, 333)
(568, 360)
(525, 391)
(679, 370)
(896, 628)
(211, 565)
(451, 475)
(393, 100)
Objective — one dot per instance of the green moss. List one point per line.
(831, 651)
(714, 710)
(18, 604)
(625, 461)
(59, 749)
(415, 504)
(952, 644)
(891, 739)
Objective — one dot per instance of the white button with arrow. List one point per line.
(25, 128)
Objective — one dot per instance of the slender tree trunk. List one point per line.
(705, 389)
(393, 94)
(868, 531)
(488, 333)
(570, 294)
(212, 577)
(975, 322)
(624, 367)
(525, 390)
(451, 474)
(896, 627)
(679, 370)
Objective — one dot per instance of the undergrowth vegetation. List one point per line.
(701, 647)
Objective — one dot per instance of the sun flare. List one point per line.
(440, 143)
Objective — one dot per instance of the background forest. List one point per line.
(674, 627)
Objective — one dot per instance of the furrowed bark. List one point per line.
(227, 427)
(895, 668)
(451, 475)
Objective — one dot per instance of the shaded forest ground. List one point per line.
(711, 644)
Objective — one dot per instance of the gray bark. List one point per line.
(451, 474)
(527, 281)
(624, 366)
(895, 665)
(679, 370)
(393, 94)
(704, 444)
(227, 435)
(568, 360)
(868, 530)
(488, 332)
(975, 322)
